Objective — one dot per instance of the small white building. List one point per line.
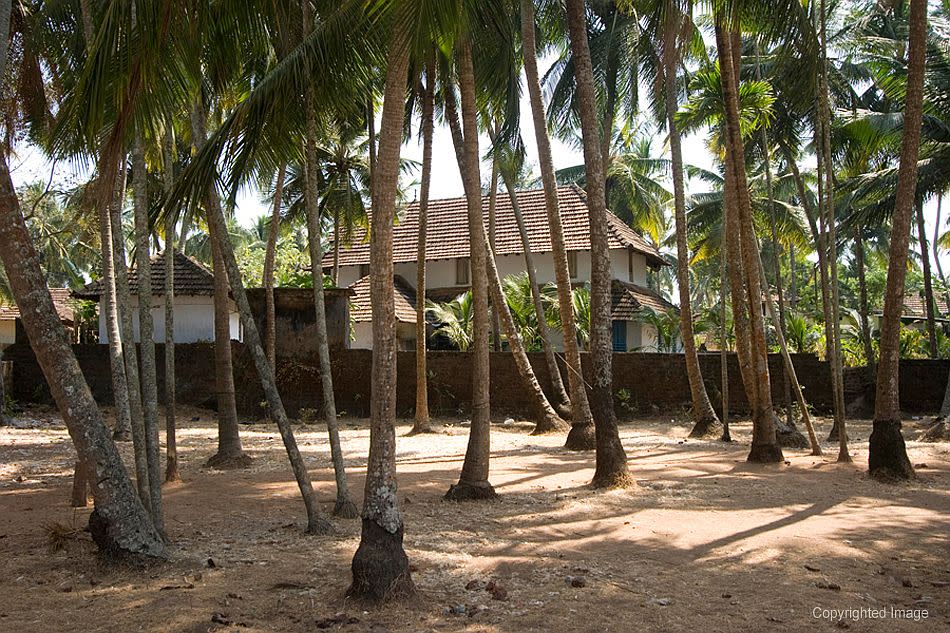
(194, 302)
(447, 261)
(10, 314)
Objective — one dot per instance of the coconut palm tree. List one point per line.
(887, 454)
(611, 469)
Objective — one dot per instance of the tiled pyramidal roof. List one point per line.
(192, 278)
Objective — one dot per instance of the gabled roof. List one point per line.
(627, 299)
(916, 307)
(61, 300)
(361, 310)
(447, 233)
(192, 279)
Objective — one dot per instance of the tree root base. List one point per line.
(141, 549)
(345, 509)
(615, 478)
(581, 438)
(939, 431)
(765, 454)
(550, 425)
(564, 409)
(229, 462)
(887, 453)
(380, 567)
(470, 491)
(319, 526)
(706, 428)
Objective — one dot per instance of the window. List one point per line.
(619, 336)
(461, 271)
(364, 270)
(630, 276)
(572, 264)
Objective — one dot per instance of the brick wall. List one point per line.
(648, 380)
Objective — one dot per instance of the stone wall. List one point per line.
(642, 381)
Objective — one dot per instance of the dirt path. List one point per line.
(703, 543)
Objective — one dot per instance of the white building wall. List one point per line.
(194, 320)
(7, 333)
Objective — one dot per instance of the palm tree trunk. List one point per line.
(344, 507)
(793, 278)
(143, 269)
(705, 421)
(546, 418)
(380, 566)
(119, 524)
(887, 455)
(611, 469)
(473, 480)
(129, 350)
(492, 207)
(110, 303)
(765, 447)
(863, 301)
(928, 279)
(724, 342)
(562, 402)
(936, 249)
(171, 444)
(831, 242)
(317, 523)
(273, 231)
(422, 423)
(581, 436)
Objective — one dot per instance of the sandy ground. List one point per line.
(704, 542)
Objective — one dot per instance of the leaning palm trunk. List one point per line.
(380, 566)
(723, 343)
(119, 524)
(344, 505)
(317, 523)
(171, 444)
(863, 301)
(831, 244)
(546, 418)
(765, 447)
(611, 469)
(492, 208)
(473, 481)
(928, 279)
(562, 402)
(581, 436)
(887, 453)
(143, 270)
(705, 422)
(790, 368)
(422, 423)
(273, 231)
(109, 298)
(129, 351)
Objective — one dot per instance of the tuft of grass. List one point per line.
(59, 535)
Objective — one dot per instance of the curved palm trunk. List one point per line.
(561, 400)
(109, 301)
(317, 523)
(611, 469)
(492, 207)
(581, 436)
(863, 302)
(119, 525)
(831, 242)
(422, 423)
(765, 446)
(380, 566)
(473, 480)
(705, 421)
(546, 418)
(130, 351)
(723, 343)
(273, 231)
(171, 443)
(887, 455)
(928, 279)
(147, 335)
(344, 505)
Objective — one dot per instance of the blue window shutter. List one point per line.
(620, 336)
